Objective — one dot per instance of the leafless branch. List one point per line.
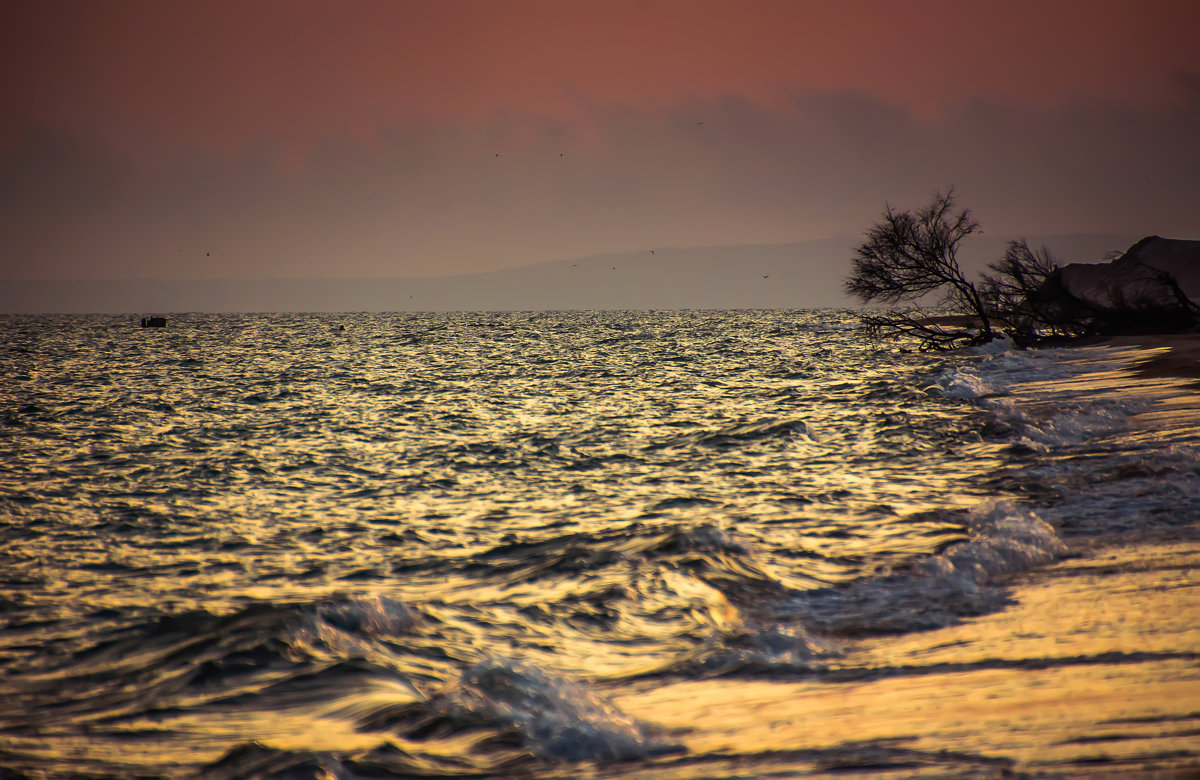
(909, 255)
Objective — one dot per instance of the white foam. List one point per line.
(708, 537)
(374, 615)
(1003, 541)
(992, 368)
(961, 383)
(777, 648)
(355, 626)
(995, 346)
(558, 718)
(1072, 427)
(1001, 366)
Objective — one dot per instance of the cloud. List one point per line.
(434, 198)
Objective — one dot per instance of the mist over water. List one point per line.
(484, 543)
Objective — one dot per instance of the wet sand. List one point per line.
(1178, 354)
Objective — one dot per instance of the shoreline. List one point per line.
(1178, 354)
(1090, 672)
(1179, 357)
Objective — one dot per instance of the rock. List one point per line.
(1153, 287)
(154, 322)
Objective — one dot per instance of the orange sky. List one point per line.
(223, 73)
(273, 103)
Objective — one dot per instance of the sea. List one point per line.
(664, 544)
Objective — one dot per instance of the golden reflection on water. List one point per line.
(1096, 657)
(1086, 664)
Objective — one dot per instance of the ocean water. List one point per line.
(662, 544)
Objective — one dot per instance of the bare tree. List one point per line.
(1011, 293)
(909, 255)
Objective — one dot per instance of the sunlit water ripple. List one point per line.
(443, 543)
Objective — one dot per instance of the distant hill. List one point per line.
(797, 275)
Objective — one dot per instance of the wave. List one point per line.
(937, 590)
(437, 712)
(799, 632)
(518, 704)
(1104, 451)
(703, 553)
(600, 548)
(753, 651)
(197, 658)
(962, 383)
(737, 434)
(1064, 427)
(498, 718)
(993, 369)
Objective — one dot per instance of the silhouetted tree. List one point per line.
(1011, 294)
(909, 255)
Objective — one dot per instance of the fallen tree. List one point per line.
(1011, 291)
(908, 256)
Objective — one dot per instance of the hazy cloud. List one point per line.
(429, 199)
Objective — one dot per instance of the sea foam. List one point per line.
(1004, 540)
(556, 718)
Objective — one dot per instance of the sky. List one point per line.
(304, 139)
